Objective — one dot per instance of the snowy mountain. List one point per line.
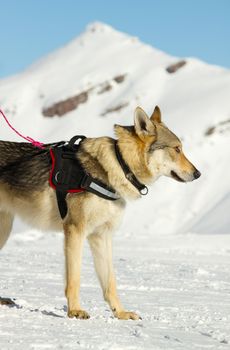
(97, 80)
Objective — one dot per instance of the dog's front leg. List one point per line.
(73, 253)
(101, 247)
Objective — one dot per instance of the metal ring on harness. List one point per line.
(144, 191)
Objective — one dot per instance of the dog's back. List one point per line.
(11, 152)
(23, 167)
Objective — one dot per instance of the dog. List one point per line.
(148, 149)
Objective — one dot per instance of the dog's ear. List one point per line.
(143, 126)
(156, 115)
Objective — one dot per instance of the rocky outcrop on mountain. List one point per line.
(62, 107)
(221, 127)
(115, 108)
(174, 67)
(68, 105)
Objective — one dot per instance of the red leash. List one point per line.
(27, 138)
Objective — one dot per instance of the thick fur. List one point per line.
(148, 147)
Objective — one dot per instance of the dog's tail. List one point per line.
(6, 223)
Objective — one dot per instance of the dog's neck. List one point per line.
(99, 159)
(135, 155)
(128, 172)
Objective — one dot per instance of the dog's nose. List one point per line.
(196, 174)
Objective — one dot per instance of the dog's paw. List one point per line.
(81, 314)
(127, 315)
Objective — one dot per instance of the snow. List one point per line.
(179, 284)
(172, 251)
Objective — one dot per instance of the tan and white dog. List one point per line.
(149, 149)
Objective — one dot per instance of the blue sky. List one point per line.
(29, 29)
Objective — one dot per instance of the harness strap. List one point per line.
(61, 201)
(97, 187)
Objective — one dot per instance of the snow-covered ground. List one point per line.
(179, 284)
(172, 251)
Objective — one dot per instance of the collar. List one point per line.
(128, 173)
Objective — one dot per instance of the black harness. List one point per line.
(68, 175)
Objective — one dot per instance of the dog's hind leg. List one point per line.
(101, 247)
(6, 222)
(74, 238)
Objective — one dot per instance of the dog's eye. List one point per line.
(177, 149)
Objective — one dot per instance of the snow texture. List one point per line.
(179, 284)
(172, 251)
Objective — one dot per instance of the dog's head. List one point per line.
(160, 149)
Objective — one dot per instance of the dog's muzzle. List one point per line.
(196, 174)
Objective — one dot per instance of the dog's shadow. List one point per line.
(11, 303)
